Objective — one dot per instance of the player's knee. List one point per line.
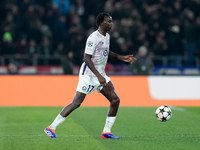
(76, 104)
(115, 101)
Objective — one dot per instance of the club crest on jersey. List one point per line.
(90, 44)
(105, 52)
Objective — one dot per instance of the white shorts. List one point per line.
(87, 84)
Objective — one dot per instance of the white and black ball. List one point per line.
(163, 113)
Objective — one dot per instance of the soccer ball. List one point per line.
(163, 113)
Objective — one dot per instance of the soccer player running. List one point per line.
(92, 76)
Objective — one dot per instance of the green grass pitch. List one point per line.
(21, 128)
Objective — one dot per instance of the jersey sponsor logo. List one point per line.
(90, 44)
(105, 52)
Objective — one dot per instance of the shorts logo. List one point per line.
(105, 53)
(84, 88)
(90, 44)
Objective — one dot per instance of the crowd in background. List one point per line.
(60, 28)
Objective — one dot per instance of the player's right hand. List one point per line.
(102, 80)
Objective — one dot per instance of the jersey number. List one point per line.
(90, 88)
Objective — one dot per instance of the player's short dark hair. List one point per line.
(100, 18)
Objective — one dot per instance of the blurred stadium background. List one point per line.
(48, 36)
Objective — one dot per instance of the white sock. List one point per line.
(58, 120)
(109, 123)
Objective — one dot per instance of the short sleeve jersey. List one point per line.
(97, 45)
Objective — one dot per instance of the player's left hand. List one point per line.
(129, 58)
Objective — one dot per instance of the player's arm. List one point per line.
(127, 58)
(89, 63)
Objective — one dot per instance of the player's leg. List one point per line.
(109, 92)
(78, 99)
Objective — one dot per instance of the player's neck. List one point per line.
(102, 32)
